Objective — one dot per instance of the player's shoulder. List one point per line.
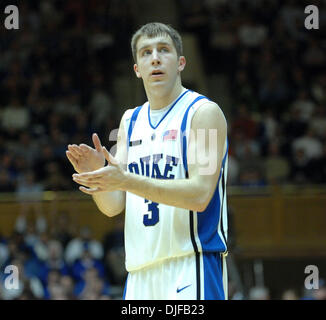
(129, 112)
(207, 107)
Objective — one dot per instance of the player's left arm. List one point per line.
(193, 193)
(204, 170)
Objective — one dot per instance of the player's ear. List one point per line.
(182, 63)
(138, 75)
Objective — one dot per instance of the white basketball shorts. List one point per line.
(201, 276)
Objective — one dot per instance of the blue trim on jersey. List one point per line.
(125, 289)
(183, 132)
(149, 118)
(132, 124)
(213, 276)
(208, 220)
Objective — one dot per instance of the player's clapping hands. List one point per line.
(108, 178)
(84, 158)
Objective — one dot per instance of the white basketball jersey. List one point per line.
(155, 231)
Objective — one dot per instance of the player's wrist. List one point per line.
(126, 181)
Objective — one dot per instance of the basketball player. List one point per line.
(175, 215)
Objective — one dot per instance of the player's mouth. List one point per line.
(157, 73)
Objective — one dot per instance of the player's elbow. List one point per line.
(202, 200)
(111, 212)
(201, 205)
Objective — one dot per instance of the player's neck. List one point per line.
(159, 99)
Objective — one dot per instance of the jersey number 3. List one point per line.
(152, 218)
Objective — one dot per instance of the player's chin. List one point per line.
(157, 82)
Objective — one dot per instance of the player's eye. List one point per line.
(146, 52)
(164, 49)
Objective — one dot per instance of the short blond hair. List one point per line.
(155, 29)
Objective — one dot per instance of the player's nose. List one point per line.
(155, 58)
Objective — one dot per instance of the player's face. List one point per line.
(157, 61)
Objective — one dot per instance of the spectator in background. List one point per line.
(299, 167)
(68, 284)
(314, 57)
(76, 247)
(251, 177)
(273, 91)
(316, 168)
(54, 289)
(55, 180)
(84, 263)
(245, 93)
(25, 147)
(251, 168)
(304, 105)
(62, 229)
(28, 282)
(243, 147)
(81, 130)
(318, 122)
(29, 193)
(277, 168)
(6, 183)
(114, 250)
(315, 294)
(4, 253)
(291, 13)
(15, 118)
(222, 48)
(92, 286)
(68, 105)
(244, 123)
(259, 293)
(47, 156)
(293, 128)
(310, 145)
(289, 294)
(318, 88)
(252, 34)
(268, 130)
(100, 107)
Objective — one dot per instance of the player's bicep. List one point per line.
(206, 145)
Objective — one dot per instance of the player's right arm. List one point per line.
(86, 159)
(113, 203)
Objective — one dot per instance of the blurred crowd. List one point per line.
(260, 292)
(56, 73)
(58, 262)
(275, 70)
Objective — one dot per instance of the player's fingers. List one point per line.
(74, 151)
(89, 175)
(97, 142)
(85, 148)
(89, 191)
(82, 179)
(88, 185)
(71, 158)
(77, 149)
(108, 156)
(87, 180)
